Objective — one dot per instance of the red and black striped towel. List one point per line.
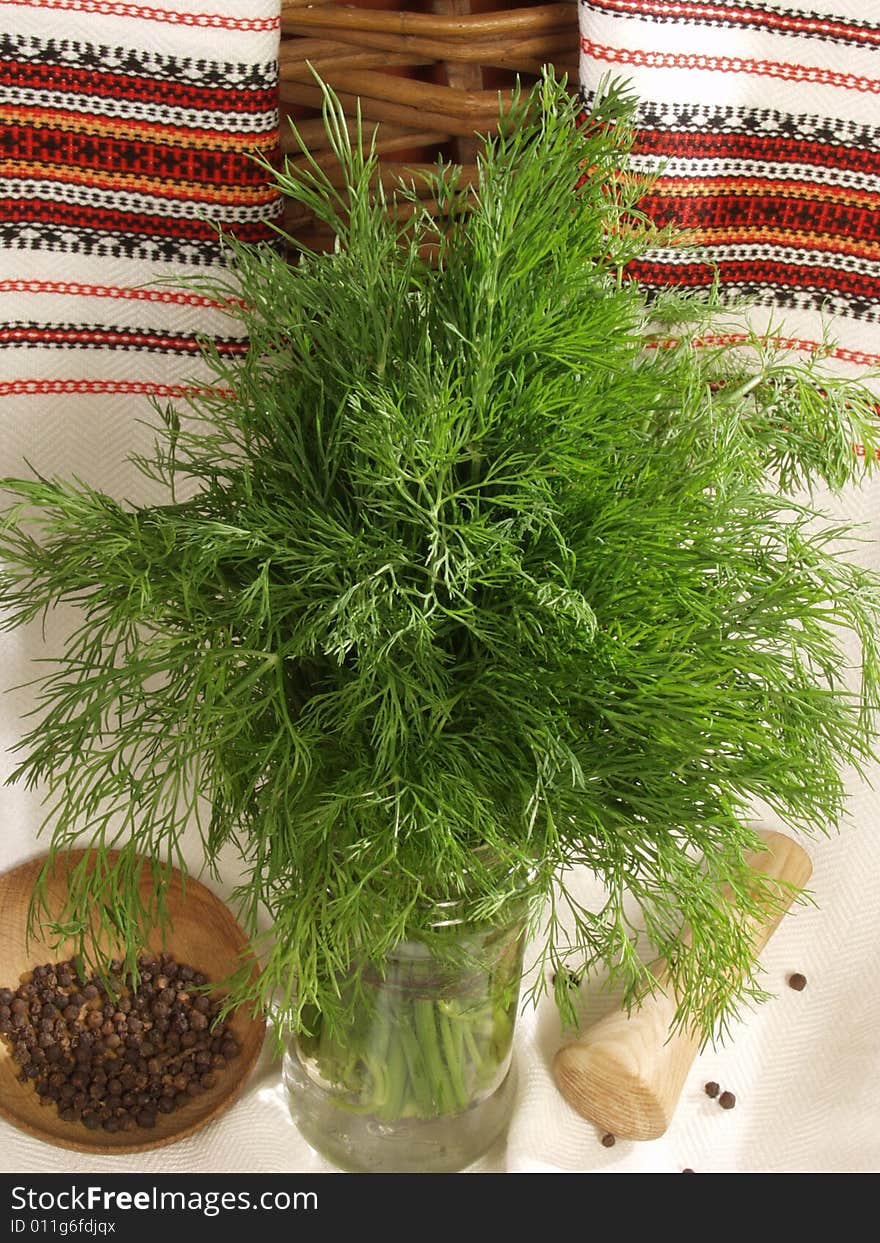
(766, 120)
(125, 135)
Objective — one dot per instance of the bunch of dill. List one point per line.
(470, 586)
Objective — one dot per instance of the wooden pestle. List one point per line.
(626, 1073)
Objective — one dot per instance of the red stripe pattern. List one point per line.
(168, 297)
(764, 123)
(135, 154)
(76, 387)
(730, 64)
(98, 336)
(147, 13)
(746, 16)
(127, 133)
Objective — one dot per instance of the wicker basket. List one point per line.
(428, 74)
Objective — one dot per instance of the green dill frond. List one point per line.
(474, 584)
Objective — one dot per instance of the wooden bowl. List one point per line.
(205, 935)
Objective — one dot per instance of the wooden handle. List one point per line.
(626, 1073)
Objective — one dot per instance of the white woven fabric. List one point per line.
(763, 119)
(803, 1068)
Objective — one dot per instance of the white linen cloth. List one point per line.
(803, 1067)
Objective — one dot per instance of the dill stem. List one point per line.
(453, 1048)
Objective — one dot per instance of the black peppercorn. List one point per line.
(712, 1089)
(114, 1054)
(727, 1100)
(608, 1141)
(797, 981)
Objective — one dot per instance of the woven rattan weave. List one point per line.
(428, 74)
